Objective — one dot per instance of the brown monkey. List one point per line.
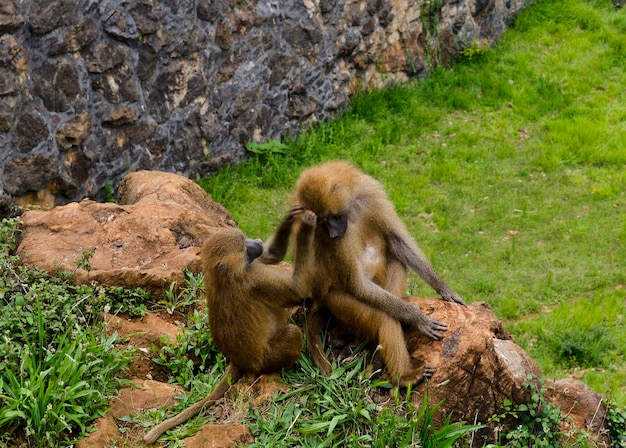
(362, 251)
(247, 303)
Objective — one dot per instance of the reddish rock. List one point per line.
(105, 430)
(478, 364)
(229, 435)
(143, 333)
(147, 240)
(582, 405)
(145, 395)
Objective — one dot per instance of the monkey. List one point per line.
(362, 251)
(247, 303)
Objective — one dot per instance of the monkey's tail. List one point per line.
(231, 376)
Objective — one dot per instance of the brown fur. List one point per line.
(247, 303)
(362, 251)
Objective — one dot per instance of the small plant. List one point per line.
(109, 193)
(338, 410)
(84, 262)
(474, 50)
(57, 368)
(539, 421)
(129, 301)
(180, 300)
(270, 147)
(430, 16)
(616, 421)
(59, 388)
(9, 230)
(191, 353)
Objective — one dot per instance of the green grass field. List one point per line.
(510, 171)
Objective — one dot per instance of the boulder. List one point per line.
(147, 240)
(228, 435)
(479, 366)
(583, 405)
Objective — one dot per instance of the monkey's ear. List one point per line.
(336, 225)
(254, 249)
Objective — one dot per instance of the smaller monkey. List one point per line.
(247, 302)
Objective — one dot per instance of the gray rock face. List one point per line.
(100, 88)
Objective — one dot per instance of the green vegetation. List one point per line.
(339, 411)
(509, 170)
(540, 420)
(57, 369)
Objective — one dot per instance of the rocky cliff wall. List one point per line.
(92, 89)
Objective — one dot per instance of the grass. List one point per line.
(57, 367)
(510, 171)
(508, 168)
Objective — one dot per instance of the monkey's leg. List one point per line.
(378, 326)
(284, 350)
(395, 281)
(396, 355)
(231, 376)
(316, 321)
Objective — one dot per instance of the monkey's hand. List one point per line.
(430, 326)
(276, 247)
(295, 210)
(309, 218)
(451, 296)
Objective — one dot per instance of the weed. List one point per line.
(57, 369)
(9, 231)
(120, 300)
(84, 262)
(474, 50)
(52, 395)
(109, 192)
(179, 300)
(268, 148)
(430, 16)
(192, 352)
(539, 420)
(616, 421)
(339, 411)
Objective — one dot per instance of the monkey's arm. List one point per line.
(409, 254)
(303, 262)
(231, 376)
(290, 290)
(404, 312)
(275, 249)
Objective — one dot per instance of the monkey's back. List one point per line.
(238, 324)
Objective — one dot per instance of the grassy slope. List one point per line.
(510, 171)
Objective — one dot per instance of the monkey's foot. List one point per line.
(416, 376)
(321, 361)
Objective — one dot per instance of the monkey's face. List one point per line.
(336, 225)
(254, 249)
(328, 198)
